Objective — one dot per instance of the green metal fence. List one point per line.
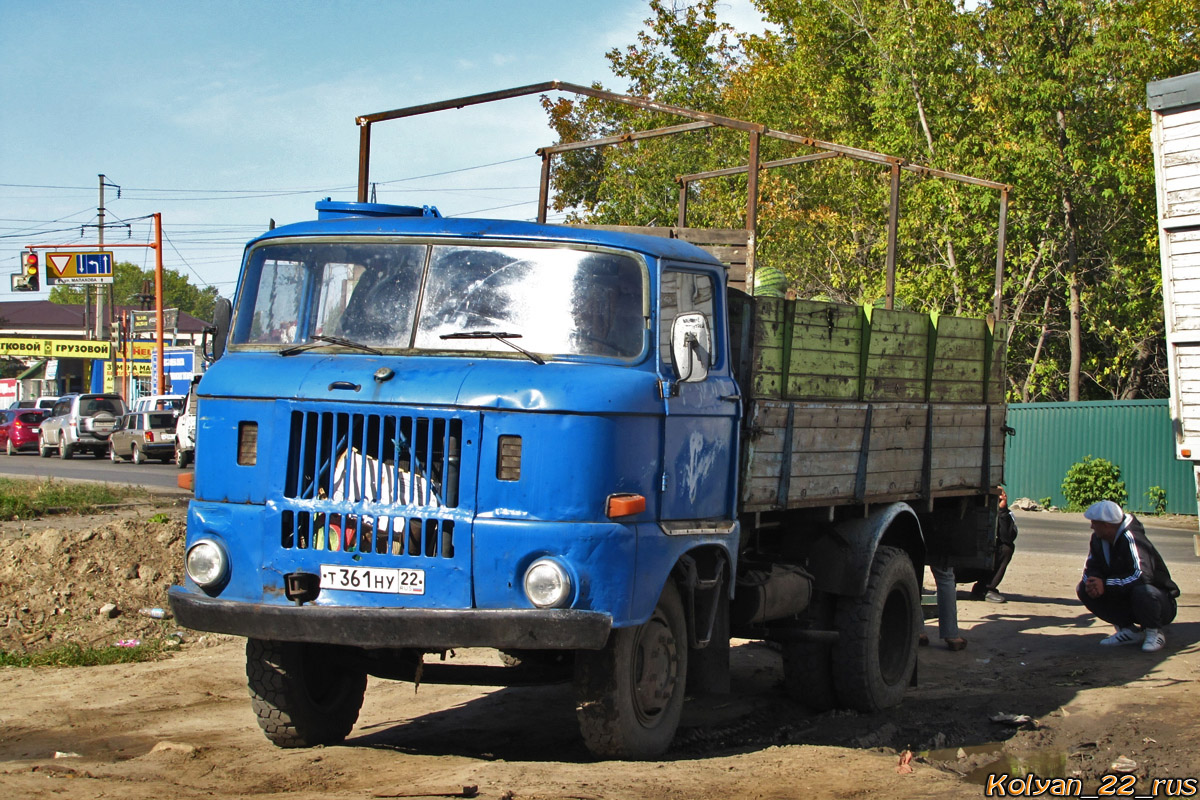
(1133, 434)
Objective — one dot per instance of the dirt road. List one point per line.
(182, 727)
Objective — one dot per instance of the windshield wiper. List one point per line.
(319, 339)
(499, 336)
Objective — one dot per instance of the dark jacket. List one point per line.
(1132, 560)
(1006, 528)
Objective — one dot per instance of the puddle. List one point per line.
(1044, 763)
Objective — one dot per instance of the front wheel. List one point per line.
(8, 448)
(112, 454)
(43, 449)
(876, 651)
(303, 694)
(630, 693)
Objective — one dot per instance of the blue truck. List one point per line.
(591, 450)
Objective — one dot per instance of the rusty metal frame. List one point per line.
(702, 120)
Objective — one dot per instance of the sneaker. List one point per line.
(1154, 641)
(994, 597)
(1123, 636)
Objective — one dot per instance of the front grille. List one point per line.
(377, 483)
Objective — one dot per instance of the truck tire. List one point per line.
(65, 450)
(876, 651)
(630, 693)
(303, 694)
(808, 665)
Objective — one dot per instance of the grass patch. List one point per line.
(25, 499)
(76, 655)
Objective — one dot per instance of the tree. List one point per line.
(1044, 95)
(128, 280)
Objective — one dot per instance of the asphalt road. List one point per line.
(1060, 532)
(152, 475)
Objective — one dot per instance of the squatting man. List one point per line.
(1125, 580)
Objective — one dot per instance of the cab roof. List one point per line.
(378, 219)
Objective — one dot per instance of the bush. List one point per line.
(1156, 496)
(1092, 480)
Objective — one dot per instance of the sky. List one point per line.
(224, 115)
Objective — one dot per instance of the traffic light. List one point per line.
(29, 280)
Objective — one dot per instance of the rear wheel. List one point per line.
(303, 694)
(630, 692)
(876, 651)
(137, 456)
(65, 450)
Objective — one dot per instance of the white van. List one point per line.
(159, 402)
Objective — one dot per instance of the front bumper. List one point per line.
(425, 628)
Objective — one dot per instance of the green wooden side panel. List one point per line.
(896, 356)
(825, 351)
(814, 350)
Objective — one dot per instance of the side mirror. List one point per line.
(213, 345)
(691, 347)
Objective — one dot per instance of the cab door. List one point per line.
(702, 407)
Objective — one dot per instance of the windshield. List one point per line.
(408, 296)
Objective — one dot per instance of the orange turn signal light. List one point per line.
(1185, 453)
(622, 505)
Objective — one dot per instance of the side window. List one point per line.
(682, 293)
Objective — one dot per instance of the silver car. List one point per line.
(143, 434)
(80, 422)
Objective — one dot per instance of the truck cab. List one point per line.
(430, 433)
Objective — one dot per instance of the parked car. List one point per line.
(159, 402)
(185, 430)
(19, 428)
(80, 422)
(46, 401)
(141, 435)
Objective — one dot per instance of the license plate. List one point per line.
(168, 437)
(373, 579)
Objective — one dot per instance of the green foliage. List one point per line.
(1048, 97)
(1091, 480)
(159, 518)
(129, 280)
(26, 499)
(1156, 497)
(76, 655)
(1046, 502)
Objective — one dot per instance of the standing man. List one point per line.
(1125, 580)
(1006, 543)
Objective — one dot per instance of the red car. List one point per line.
(19, 428)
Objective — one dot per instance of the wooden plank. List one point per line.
(1176, 119)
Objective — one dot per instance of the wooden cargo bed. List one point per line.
(865, 405)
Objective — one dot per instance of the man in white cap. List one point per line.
(1125, 580)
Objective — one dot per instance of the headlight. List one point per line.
(206, 563)
(547, 584)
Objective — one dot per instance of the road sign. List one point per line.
(79, 268)
(146, 320)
